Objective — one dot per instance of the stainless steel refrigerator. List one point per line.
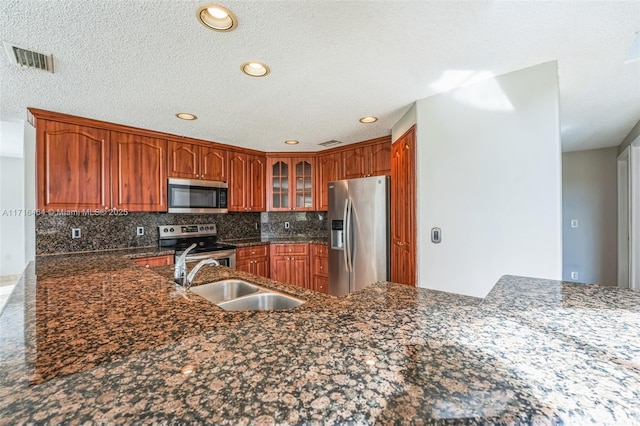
(359, 242)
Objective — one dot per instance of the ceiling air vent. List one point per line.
(28, 58)
(330, 143)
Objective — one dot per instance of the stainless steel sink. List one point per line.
(262, 302)
(239, 295)
(222, 291)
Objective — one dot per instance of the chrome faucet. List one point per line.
(194, 271)
(180, 271)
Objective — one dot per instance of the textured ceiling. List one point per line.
(139, 62)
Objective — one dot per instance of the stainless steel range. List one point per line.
(205, 236)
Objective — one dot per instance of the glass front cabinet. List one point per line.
(290, 184)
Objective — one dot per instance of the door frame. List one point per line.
(629, 217)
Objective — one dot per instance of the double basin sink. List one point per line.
(239, 295)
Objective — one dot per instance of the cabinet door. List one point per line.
(237, 173)
(320, 284)
(303, 184)
(183, 160)
(403, 209)
(244, 265)
(380, 159)
(328, 169)
(280, 270)
(299, 271)
(213, 164)
(261, 267)
(278, 181)
(353, 163)
(149, 262)
(257, 167)
(72, 167)
(138, 173)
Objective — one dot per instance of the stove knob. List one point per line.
(165, 230)
(171, 229)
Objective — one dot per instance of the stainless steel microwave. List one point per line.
(197, 196)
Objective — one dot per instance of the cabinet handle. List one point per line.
(203, 175)
(146, 266)
(322, 267)
(253, 252)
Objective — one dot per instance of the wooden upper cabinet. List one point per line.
(192, 161)
(138, 173)
(328, 169)
(213, 164)
(72, 167)
(403, 216)
(368, 160)
(290, 184)
(246, 182)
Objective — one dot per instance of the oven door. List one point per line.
(225, 257)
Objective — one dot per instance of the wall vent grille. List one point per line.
(330, 143)
(28, 58)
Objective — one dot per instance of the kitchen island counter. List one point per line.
(532, 351)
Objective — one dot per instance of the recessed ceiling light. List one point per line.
(186, 116)
(216, 18)
(291, 142)
(255, 69)
(368, 120)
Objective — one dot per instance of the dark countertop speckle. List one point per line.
(98, 338)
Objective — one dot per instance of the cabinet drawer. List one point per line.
(150, 262)
(252, 251)
(320, 250)
(320, 284)
(297, 249)
(321, 266)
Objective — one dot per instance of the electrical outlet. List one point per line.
(574, 223)
(574, 275)
(140, 230)
(257, 226)
(75, 233)
(286, 225)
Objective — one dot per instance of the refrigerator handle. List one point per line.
(345, 234)
(348, 249)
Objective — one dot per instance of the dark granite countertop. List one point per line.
(98, 338)
(279, 240)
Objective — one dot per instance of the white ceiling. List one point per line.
(139, 62)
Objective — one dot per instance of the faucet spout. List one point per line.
(196, 268)
(180, 271)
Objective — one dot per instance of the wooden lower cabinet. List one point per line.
(290, 264)
(150, 262)
(319, 267)
(253, 259)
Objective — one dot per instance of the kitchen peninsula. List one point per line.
(98, 338)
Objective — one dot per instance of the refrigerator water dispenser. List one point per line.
(337, 234)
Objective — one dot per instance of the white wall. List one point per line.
(12, 216)
(489, 175)
(404, 124)
(589, 195)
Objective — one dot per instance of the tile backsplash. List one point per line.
(53, 232)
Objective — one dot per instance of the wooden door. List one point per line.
(320, 284)
(403, 268)
(72, 167)
(257, 167)
(302, 181)
(183, 160)
(213, 164)
(138, 173)
(299, 270)
(237, 176)
(353, 163)
(328, 169)
(379, 159)
(278, 181)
